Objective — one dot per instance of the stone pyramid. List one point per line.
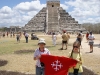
(53, 18)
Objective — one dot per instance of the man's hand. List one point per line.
(37, 57)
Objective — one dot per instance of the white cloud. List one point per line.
(82, 10)
(85, 9)
(5, 10)
(91, 20)
(20, 14)
(64, 6)
(29, 6)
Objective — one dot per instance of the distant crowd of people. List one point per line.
(16, 35)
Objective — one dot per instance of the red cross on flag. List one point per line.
(56, 65)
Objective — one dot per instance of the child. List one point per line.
(75, 54)
(37, 54)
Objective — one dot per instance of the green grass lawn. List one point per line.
(9, 45)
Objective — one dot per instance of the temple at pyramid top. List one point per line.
(53, 18)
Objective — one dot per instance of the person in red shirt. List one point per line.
(87, 34)
(56, 65)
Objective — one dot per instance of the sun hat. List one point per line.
(41, 40)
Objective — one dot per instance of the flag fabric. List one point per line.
(57, 65)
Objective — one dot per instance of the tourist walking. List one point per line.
(10, 34)
(18, 37)
(79, 38)
(91, 41)
(13, 34)
(3, 34)
(37, 54)
(75, 54)
(68, 37)
(7, 33)
(54, 38)
(87, 34)
(64, 40)
(26, 37)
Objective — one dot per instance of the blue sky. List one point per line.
(19, 12)
(11, 3)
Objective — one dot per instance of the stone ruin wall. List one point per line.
(38, 22)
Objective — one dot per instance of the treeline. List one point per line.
(3, 29)
(95, 28)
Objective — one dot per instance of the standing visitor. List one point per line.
(3, 34)
(75, 54)
(26, 37)
(7, 33)
(54, 38)
(91, 41)
(87, 34)
(18, 37)
(10, 34)
(79, 38)
(64, 40)
(13, 34)
(37, 54)
(68, 37)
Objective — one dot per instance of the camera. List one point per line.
(42, 64)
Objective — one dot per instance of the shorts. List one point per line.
(91, 43)
(64, 42)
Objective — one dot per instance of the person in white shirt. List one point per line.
(26, 37)
(91, 41)
(40, 68)
(54, 38)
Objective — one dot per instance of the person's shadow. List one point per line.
(3, 62)
(96, 45)
(87, 52)
(12, 73)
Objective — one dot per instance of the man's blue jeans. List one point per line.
(39, 70)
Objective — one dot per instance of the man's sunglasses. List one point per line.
(75, 46)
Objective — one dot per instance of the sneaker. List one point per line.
(91, 51)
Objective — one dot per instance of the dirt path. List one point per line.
(91, 60)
